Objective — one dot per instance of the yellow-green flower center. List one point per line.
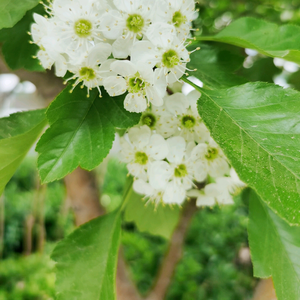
(148, 119)
(180, 171)
(188, 121)
(179, 19)
(170, 59)
(141, 158)
(212, 153)
(87, 74)
(135, 23)
(136, 84)
(83, 28)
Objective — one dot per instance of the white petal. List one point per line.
(174, 194)
(203, 200)
(143, 188)
(158, 147)
(122, 47)
(176, 149)
(144, 52)
(161, 34)
(137, 170)
(135, 103)
(99, 54)
(200, 171)
(139, 137)
(115, 85)
(153, 96)
(124, 68)
(111, 25)
(177, 104)
(159, 173)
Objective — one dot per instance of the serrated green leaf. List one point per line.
(16, 49)
(257, 126)
(265, 37)
(157, 220)
(11, 11)
(86, 260)
(81, 132)
(275, 249)
(215, 65)
(18, 132)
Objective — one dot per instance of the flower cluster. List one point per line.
(172, 156)
(134, 46)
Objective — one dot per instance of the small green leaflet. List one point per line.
(11, 11)
(17, 50)
(267, 38)
(215, 65)
(257, 126)
(275, 249)
(160, 220)
(81, 132)
(86, 260)
(18, 133)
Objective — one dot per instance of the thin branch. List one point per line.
(173, 254)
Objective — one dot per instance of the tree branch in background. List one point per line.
(265, 290)
(173, 254)
(83, 192)
(47, 84)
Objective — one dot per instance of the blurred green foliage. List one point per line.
(210, 268)
(27, 278)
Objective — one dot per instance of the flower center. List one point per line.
(136, 84)
(135, 23)
(83, 28)
(212, 153)
(141, 158)
(87, 74)
(180, 171)
(170, 59)
(179, 19)
(149, 120)
(188, 121)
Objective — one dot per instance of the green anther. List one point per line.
(180, 171)
(212, 153)
(149, 120)
(83, 28)
(170, 59)
(136, 84)
(179, 19)
(135, 23)
(87, 74)
(188, 121)
(141, 158)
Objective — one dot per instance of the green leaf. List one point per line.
(275, 249)
(18, 132)
(16, 49)
(267, 38)
(215, 65)
(11, 11)
(257, 126)
(157, 220)
(81, 132)
(86, 260)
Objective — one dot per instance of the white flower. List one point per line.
(189, 123)
(144, 188)
(142, 149)
(126, 25)
(177, 175)
(170, 59)
(181, 13)
(213, 156)
(50, 50)
(88, 71)
(77, 25)
(140, 82)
